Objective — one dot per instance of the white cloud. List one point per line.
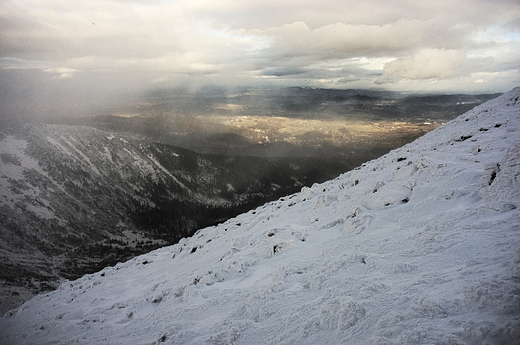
(348, 79)
(428, 64)
(63, 72)
(18, 63)
(291, 40)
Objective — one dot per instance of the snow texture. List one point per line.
(420, 246)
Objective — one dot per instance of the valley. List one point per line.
(282, 122)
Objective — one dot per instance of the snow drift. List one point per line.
(420, 246)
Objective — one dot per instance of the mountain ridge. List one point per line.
(419, 246)
(74, 199)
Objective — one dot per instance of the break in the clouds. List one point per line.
(445, 45)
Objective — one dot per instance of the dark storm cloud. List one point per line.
(283, 71)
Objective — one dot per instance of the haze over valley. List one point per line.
(278, 122)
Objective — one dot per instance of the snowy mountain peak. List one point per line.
(419, 246)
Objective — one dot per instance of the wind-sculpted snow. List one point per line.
(420, 246)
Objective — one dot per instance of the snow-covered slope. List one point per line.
(420, 246)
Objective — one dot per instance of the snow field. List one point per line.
(420, 246)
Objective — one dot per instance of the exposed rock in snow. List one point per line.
(420, 246)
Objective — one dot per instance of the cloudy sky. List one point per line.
(409, 45)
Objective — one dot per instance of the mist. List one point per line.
(29, 94)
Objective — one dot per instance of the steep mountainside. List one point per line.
(74, 199)
(420, 246)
